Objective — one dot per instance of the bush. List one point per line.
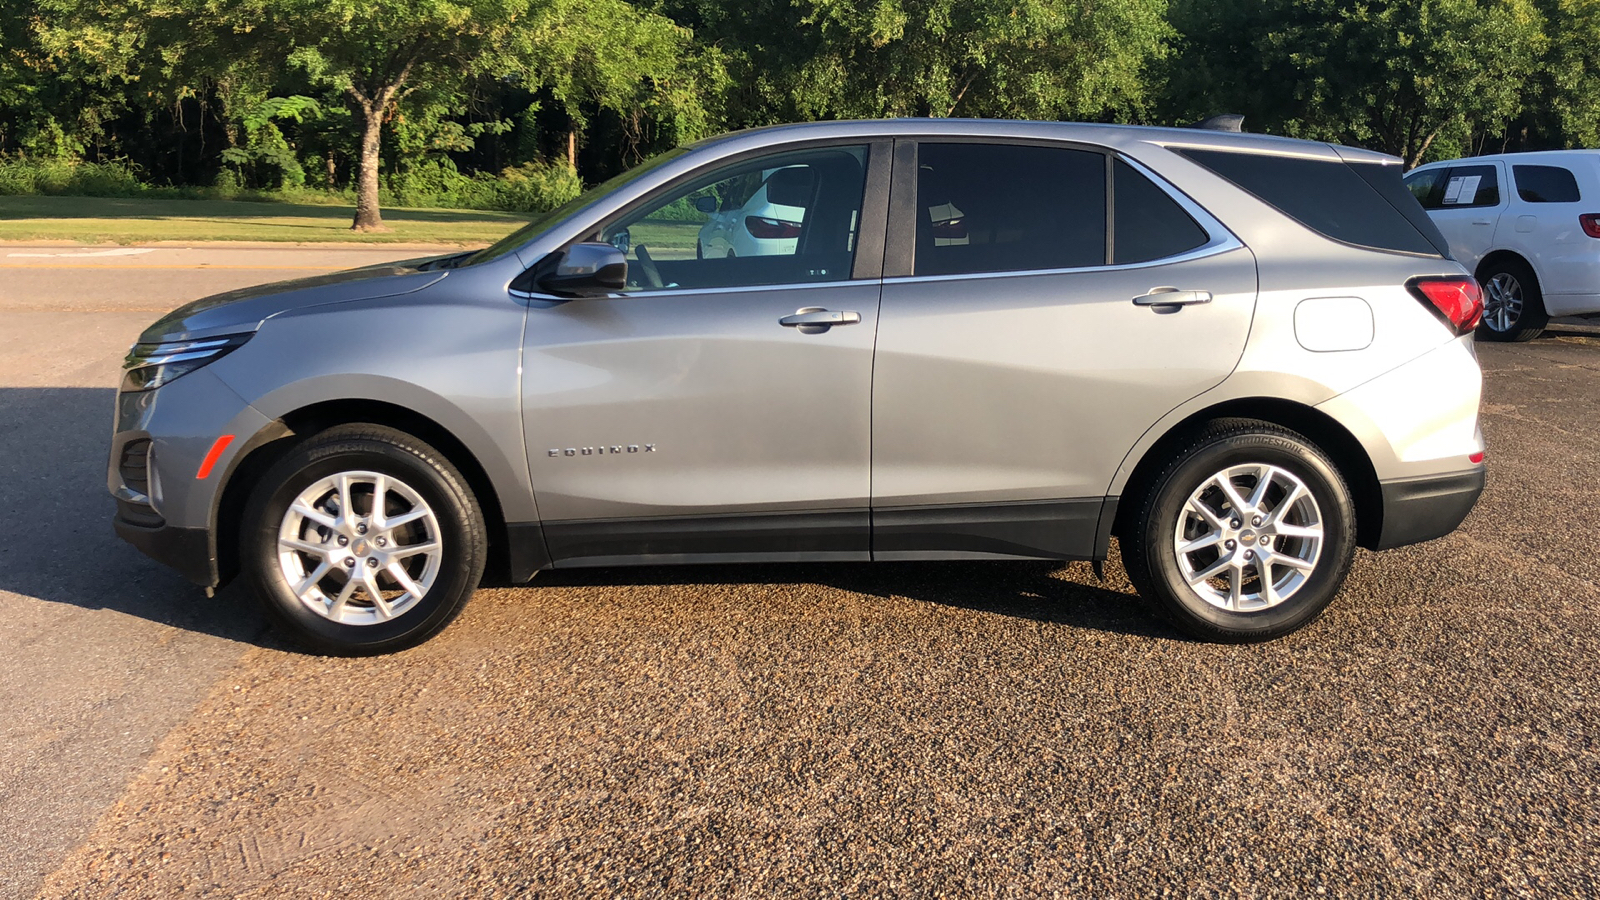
(59, 176)
(536, 187)
(528, 188)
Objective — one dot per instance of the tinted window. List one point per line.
(1148, 224)
(1327, 196)
(1545, 184)
(1385, 179)
(1425, 187)
(1469, 186)
(784, 219)
(1000, 208)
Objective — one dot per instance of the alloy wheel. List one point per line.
(359, 547)
(1249, 537)
(1502, 303)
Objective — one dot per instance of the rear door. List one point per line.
(1023, 346)
(1467, 207)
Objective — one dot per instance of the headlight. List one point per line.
(149, 366)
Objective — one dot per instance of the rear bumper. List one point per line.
(1421, 509)
(186, 549)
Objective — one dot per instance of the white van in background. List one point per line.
(1528, 225)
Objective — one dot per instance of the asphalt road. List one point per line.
(898, 730)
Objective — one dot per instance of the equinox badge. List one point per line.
(603, 450)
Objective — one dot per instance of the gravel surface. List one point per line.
(972, 729)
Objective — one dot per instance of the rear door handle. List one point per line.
(1170, 296)
(1482, 222)
(812, 319)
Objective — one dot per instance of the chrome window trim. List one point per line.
(679, 292)
(1223, 244)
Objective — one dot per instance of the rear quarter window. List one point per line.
(1364, 204)
(1546, 184)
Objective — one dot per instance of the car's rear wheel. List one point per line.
(1513, 305)
(1245, 536)
(363, 540)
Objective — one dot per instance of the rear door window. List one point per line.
(1147, 223)
(1361, 204)
(1007, 208)
(1546, 184)
(1471, 186)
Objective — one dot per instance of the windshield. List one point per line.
(544, 220)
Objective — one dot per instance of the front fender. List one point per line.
(440, 352)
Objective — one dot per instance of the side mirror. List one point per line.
(705, 204)
(587, 270)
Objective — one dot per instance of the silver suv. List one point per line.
(1243, 356)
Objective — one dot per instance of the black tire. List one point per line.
(462, 537)
(1522, 325)
(1151, 558)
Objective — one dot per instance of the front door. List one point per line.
(1025, 354)
(719, 409)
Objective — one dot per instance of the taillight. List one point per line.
(1591, 224)
(764, 228)
(1456, 299)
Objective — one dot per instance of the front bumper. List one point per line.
(160, 440)
(1421, 509)
(189, 550)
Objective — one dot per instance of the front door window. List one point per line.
(790, 218)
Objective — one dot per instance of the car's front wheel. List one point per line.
(363, 540)
(1513, 305)
(1246, 535)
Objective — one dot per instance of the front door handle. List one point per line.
(1171, 296)
(815, 319)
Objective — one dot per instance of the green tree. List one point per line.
(594, 55)
(1567, 92)
(1037, 59)
(1403, 76)
(377, 51)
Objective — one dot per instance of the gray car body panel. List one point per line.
(244, 310)
(889, 424)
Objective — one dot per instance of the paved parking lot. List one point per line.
(903, 730)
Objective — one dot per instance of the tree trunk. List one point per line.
(332, 183)
(1416, 160)
(368, 217)
(572, 149)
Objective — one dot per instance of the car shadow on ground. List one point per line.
(56, 541)
(1037, 590)
(57, 545)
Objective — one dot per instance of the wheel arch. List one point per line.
(1332, 438)
(1494, 257)
(273, 442)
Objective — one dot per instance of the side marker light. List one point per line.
(212, 456)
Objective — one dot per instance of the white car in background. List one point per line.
(764, 222)
(1528, 225)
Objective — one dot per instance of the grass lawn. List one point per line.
(136, 220)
